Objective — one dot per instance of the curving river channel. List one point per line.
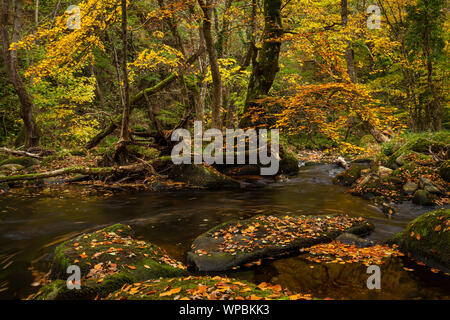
(31, 227)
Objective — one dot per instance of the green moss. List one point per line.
(427, 238)
(366, 140)
(192, 286)
(89, 289)
(57, 290)
(115, 245)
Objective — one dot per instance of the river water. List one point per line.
(31, 227)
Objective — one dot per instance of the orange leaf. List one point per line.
(170, 292)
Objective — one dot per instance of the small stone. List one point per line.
(426, 184)
(410, 188)
(384, 172)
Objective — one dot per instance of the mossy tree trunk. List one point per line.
(12, 68)
(121, 154)
(217, 94)
(266, 65)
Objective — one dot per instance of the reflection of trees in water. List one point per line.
(339, 281)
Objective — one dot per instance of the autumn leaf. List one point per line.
(170, 292)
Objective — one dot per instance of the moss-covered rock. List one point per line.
(89, 289)
(108, 258)
(349, 176)
(422, 197)
(418, 145)
(288, 164)
(444, 170)
(23, 161)
(202, 288)
(202, 176)
(427, 238)
(236, 243)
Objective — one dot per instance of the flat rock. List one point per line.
(239, 242)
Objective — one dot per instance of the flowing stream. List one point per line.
(31, 228)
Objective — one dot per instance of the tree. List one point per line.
(12, 66)
(120, 154)
(425, 33)
(266, 65)
(217, 94)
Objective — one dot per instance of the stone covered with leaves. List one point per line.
(427, 238)
(238, 243)
(108, 258)
(203, 288)
(412, 169)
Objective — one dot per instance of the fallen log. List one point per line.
(21, 153)
(134, 168)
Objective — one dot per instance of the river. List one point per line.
(31, 227)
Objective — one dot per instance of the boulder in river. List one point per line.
(237, 243)
(202, 176)
(423, 198)
(348, 177)
(427, 239)
(107, 258)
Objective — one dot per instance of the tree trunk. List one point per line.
(120, 154)
(349, 54)
(217, 99)
(349, 58)
(11, 61)
(266, 66)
